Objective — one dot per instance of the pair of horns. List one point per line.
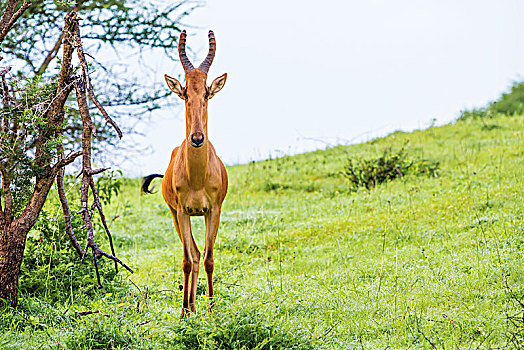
(204, 66)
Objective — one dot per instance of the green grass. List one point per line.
(303, 262)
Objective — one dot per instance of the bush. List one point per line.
(51, 266)
(510, 103)
(390, 165)
(475, 113)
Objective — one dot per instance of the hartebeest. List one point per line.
(195, 183)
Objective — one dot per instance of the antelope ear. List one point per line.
(217, 85)
(175, 86)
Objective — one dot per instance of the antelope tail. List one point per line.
(146, 181)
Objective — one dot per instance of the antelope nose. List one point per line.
(197, 139)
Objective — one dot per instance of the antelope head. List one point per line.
(196, 93)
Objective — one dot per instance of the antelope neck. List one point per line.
(196, 163)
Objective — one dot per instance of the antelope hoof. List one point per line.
(185, 313)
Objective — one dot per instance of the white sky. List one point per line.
(303, 74)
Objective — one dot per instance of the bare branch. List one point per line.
(10, 16)
(96, 171)
(7, 99)
(114, 258)
(65, 207)
(87, 177)
(15, 17)
(87, 80)
(62, 162)
(103, 111)
(5, 70)
(85, 313)
(96, 202)
(96, 268)
(80, 53)
(52, 54)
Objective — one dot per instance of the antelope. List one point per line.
(195, 182)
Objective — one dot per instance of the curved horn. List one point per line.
(188, 67)
(204, 66)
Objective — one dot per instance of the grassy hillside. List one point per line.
(302, 261)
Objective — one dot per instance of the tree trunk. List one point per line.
(12, 244)
(13, 236)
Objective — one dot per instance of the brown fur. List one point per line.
(195, 182)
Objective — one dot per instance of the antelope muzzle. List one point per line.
(197, 139)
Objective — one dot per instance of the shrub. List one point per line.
(510, 103)
(475, 113)
(109, 185)
(390, 165)
(51, 266)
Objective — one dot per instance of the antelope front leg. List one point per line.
(212, 221)
(195, 266)
(190, 263)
